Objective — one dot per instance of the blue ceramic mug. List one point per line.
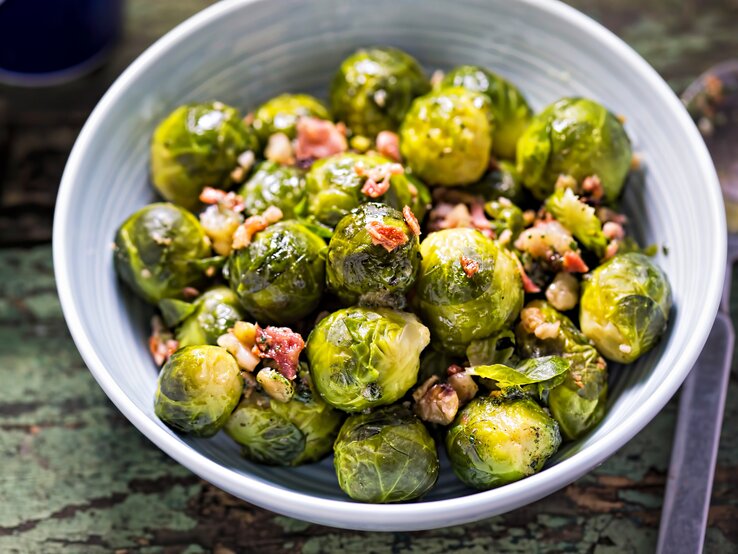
(45, 42)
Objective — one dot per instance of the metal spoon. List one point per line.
(713, 102)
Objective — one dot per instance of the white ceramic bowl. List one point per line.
(242, 52)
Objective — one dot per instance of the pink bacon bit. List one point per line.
(388, 144)
(470, 267)
(592, 187)
(230, 200)
(377, 178)
(282, 345)
(479, 220)
(246, 231)
(573, 262)
(411, 220)
(318, 138)
(161, 342)
(613, 230)
(386, 236)
(528, 284)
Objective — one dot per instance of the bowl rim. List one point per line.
(413, 516)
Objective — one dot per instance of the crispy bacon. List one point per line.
(377, 178)
(230, 200)
(318, 138)
(246, 231)
(592, 187)
(528, 284)
(470, 267)
(479, 221)
(573, 263)
(386, 235)
(613, 230)
(161, 342)
(411, 220)
(282, 345)
(388, 144)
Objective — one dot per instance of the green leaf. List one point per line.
(550, 370)
(175, 311)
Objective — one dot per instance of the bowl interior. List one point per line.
(244, 52)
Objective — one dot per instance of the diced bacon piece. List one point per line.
(161, 342)
(470, 267)
(613, 230)
(282, 345)
(612, 249)
(528, 284)
(190, 292)
(230, 200)
(411, 220)
(388, 144)
(573, 263)
(479, 220)
(318, 138)
(453, 369)
(246, 231)
(210, 195)
(592, 187)
(377, 178)
(386, 236)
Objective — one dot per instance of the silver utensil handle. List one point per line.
(692, 466)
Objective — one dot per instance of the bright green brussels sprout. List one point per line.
(373, 88)
(213, 313)
(198, 388)
(198, 145)
(496, 440)
(280, 114)
(334, 188)
(503, 182)
(280, 276)
(159, 251)
(359, 269)
(509, 108)
(274, 184)
(361, 357)
(578, 404)
(579, 218)
(461, 305)
(575, 137)
(506, 216)
(285, 433)
(385, 456)
(446, 137)
(625, 306)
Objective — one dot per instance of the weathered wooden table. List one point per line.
(75, 476)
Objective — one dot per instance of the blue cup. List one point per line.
(45, 42)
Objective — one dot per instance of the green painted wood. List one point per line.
(75, 476)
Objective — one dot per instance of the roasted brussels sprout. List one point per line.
(285, 433)
(360, 268)
(360, 357)
(509, 109)
(280, 276)
(502, 182)
(198, 388)
(578, 404)
(467, 287)
(198, 145)
(575, 137)
(498, 440)
(274, 184)
(373, 89)
(506, 216)
(334, 188)
(446, 137)
(385, 456)
(213, 313)
(280, 114)
(159, 250)
(625, 306)
(579, 218)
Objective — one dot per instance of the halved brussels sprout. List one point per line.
(280, 114)
(274, 184)
(213, 313)
(159, 251)
(198, 145)
(197, 390)
(373, 89)
(625, 306)
(461, 303)
(285, 433)
(361, 358)
(359, 269)
(280, 276)
(498, 440)
(446, 137)
(385, 456)
(578, 404)
(575, 137)
(579, 218)
(502, 182)
(506, 216)
(334, 186)
(509, 108)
